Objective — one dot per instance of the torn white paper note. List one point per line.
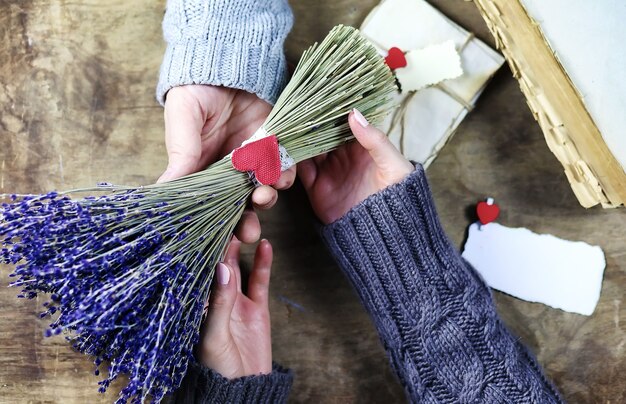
(535, 267)
(427, 118)
(429, 65)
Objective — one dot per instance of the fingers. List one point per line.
(248, 229)
(221, 303)
(259, 282)
(184, 120)
(232, 253)
(307, 171)
(385, 155)
(264, 197)
(232, 259)
(286, 179)
(382, 151)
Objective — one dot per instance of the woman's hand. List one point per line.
(203, 124)
(236, 337)
(339, 180)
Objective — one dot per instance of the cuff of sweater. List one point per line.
(204, 385)
(258, 69)
(388, 228)
(399, 207)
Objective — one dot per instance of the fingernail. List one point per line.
(360, 118)
(223, 274)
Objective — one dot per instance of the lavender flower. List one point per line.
(128, 273)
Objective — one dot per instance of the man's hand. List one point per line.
(236, 338)
(203, 124)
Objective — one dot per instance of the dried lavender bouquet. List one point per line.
(128, 271)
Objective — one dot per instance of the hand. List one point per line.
(236, 337)
(204, 123)
(339, 180)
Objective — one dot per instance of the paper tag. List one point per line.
(428, 117)
(537, 267)
(428, 66)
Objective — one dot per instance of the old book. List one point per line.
(569, 59)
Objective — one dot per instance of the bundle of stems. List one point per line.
(128, 271)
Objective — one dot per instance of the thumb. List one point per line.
(385, 155)
(183, 124)
(221, 302)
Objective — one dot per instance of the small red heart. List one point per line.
(395, 58)
(262, 157)
(487, 213)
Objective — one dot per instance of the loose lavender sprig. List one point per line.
(128, 272)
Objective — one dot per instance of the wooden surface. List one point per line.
(77, 106)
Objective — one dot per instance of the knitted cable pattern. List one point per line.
(435, 316)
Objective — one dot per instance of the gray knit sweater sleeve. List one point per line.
(435, 317)
(202, 385)
(231, 43)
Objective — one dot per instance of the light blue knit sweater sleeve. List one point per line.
(231, 43)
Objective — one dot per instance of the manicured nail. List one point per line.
(360, 118)
(223, 274)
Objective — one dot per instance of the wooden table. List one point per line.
(77, 106)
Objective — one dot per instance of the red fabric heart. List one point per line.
(487, 213)
(395, 58)
(262, 157)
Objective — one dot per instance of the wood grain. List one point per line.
(77, 81)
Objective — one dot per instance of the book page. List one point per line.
(589, 38)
